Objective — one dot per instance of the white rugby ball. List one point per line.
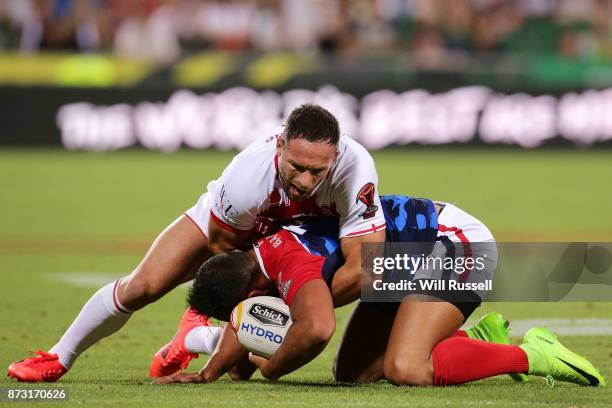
(261, 323)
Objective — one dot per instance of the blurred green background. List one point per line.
(522, 195)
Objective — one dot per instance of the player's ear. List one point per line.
(257, 292)
(280, 144)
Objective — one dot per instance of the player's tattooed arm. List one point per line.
(229, 357)
(346, 284)
(313, 326)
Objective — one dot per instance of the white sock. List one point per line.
(101, 316)
(203, 339)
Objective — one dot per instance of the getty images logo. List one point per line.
(268, 316)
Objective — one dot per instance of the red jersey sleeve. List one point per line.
(288, 263)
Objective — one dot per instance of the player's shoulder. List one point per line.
(282, 246)
(254, 167)
(279, 240)
(354, 161)
(351, 150)
(275, 249)
(260, 153)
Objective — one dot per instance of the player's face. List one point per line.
(303, 165)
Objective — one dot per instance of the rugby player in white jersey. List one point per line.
(308, 170)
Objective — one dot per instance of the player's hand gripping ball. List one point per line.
(261, 323)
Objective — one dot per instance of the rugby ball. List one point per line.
(261, 323)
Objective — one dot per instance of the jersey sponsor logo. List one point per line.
(283, 287)
(268, 316)
(224, 206)
(367, 196)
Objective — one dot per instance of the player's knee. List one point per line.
(138, 292)
(341, 372)
(238, 376)
(402, 371)
(344, 372)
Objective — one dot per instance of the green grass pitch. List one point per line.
(69, 220)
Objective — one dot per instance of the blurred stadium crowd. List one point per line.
(431, 30)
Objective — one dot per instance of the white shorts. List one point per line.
(200, 213)
(458, 225)
(461, 235)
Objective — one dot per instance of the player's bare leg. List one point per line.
(172, 259)
(419, 325)
(359, 357)
(425, 348)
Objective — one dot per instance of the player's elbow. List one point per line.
(221, 240)
(238, 376)
(219, 244)
(217, 247)
(320, 331)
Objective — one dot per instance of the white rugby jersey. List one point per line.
(249, 193)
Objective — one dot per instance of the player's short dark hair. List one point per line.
(313, 123)
(221, 283)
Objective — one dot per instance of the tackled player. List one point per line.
(415, 342)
